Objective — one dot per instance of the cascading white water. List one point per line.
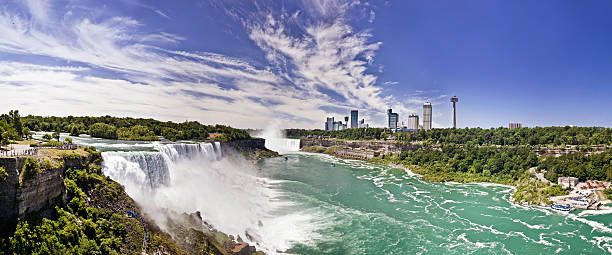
(276, 141)
(142, 170)
(196, 177)
(282, 145)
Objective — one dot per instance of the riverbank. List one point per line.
(527, 190)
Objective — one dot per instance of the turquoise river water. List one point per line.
(363, 208)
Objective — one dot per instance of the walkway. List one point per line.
(133, 213)
(539, 176)
(19, 150)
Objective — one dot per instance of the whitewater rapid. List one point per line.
(226, 190)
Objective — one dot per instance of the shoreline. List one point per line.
(420, 176)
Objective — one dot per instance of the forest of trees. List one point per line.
(478, 136)
(11, 128)
(592, 167)
(130, 128)
(507, 162)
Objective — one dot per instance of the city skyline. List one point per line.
(248, 65)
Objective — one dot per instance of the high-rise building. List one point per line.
(392, 119)
(427, 116)
(329, 124)
(413, 121)
(514, 125)
(454, 100)
(354, 119)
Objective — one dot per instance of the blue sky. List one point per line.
(249, 64)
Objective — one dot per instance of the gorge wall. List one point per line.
(381, 147)
(19, 196)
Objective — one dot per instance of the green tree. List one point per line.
(47, 137)
(4, 139)
(16, 122)
(103, 130)
(27, 134)
(68, 140)
(56, 135)
(30, 168)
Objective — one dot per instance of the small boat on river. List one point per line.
(561, 208)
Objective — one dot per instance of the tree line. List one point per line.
(584, 167)
(479, 136)
(15, 127)
(506, 162)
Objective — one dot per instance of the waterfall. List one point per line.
(225, 189)
(282, 145)
(142, 170)
(276, 141)
(149, 170)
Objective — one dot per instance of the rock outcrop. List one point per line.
(254, 148)
(381, 147)
(40, 191)
(19, 196)
(9, 187)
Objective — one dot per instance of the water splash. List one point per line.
(276, 140)
(225, 190)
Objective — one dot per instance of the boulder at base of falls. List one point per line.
(243, 249)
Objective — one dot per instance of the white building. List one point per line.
(567, 182)
(413, 121)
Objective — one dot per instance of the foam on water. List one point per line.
(228, 193)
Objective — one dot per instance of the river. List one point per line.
(303, 203)
(364, 208)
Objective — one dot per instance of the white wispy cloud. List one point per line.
(323, 68)
(160, 13)
(391, 83)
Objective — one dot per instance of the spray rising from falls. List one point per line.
(282, 145)
(225, 189)
(276, 141)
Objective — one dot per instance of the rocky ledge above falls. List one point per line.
(22, 193)
(253, 148)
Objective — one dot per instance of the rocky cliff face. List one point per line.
(8, 187)
(40, 191)
(382, 147)
(246, 145)
(254, 148)
(20, 197)
(79, 162)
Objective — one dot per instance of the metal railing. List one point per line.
(60, 147)
(14, 153)
(34, 150)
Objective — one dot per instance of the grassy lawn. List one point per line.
(27, 142)
(57, 154)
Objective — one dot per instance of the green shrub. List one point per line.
(47, 137)
(30, 168)
(3, 174)
(608, 193)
